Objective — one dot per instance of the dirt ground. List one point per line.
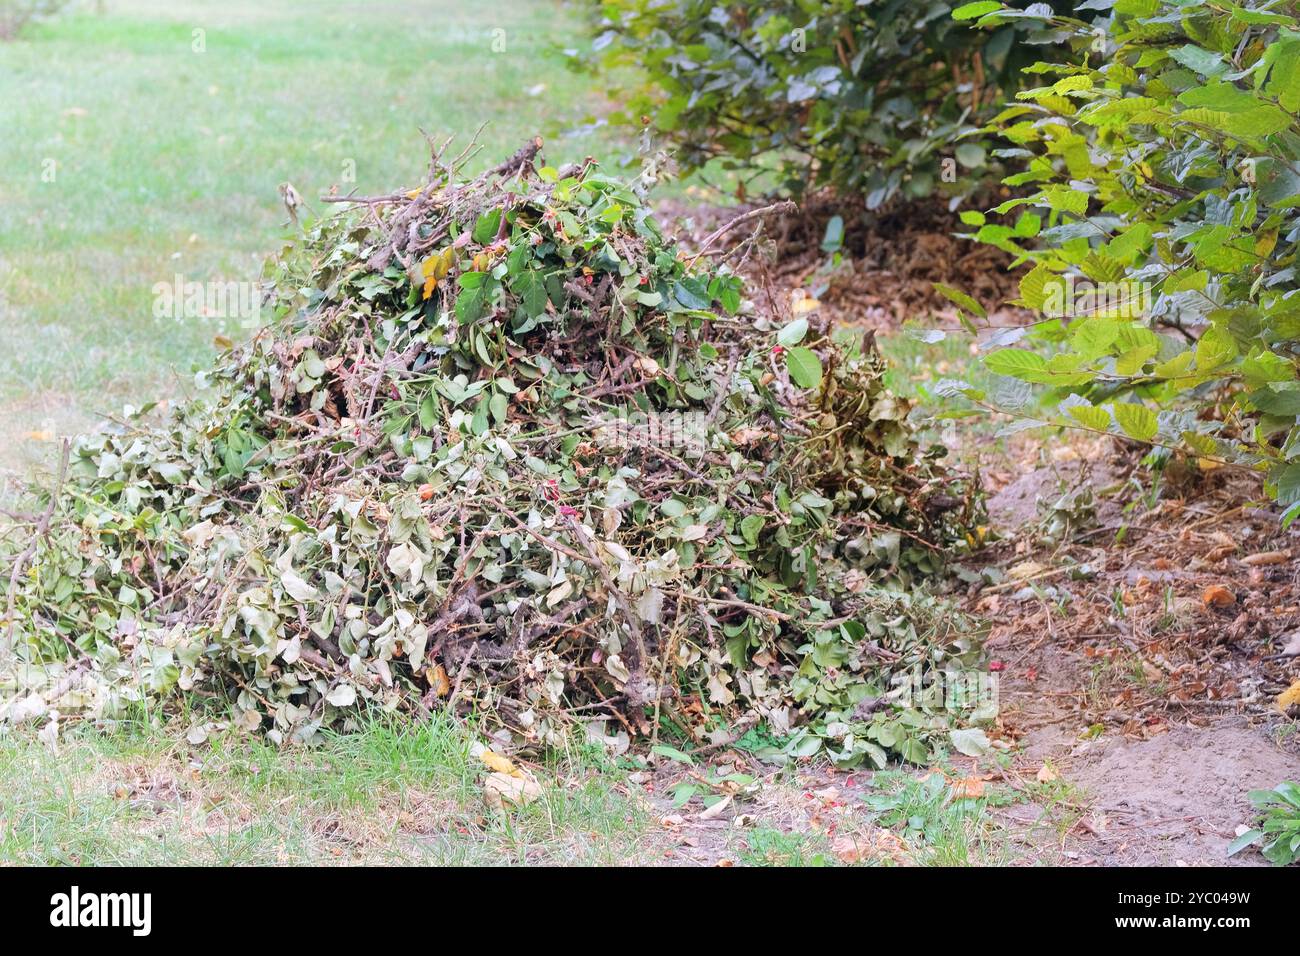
(887, 272)
(1153, 691)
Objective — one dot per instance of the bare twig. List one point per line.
(783, 208)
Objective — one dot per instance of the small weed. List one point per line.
(767, 847)
(947, 830)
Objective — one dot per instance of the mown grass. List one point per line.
(387, 793)
(134, 148)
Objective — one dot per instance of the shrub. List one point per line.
(864, 97)
(1163, 229)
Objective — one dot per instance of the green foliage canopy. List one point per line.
(868, 98)
(1163, 228)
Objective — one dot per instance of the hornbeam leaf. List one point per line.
(1137, 421)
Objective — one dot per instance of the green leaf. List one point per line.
(672, 753)
(793, 333)
(1217, 95)
(1200, 60)
(1093, 337)
(961, 299)
(969, 11)
(1034, 287)
(1264, 120)
(1098, 419)
(1216, 347)
(804, 366)
(1287, 482)
(971, 155)
(1249, 838)
(1065, 199)
(834, 237)
(1018, 363)
(1137, 421)
(485, 229)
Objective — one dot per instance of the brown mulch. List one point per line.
(1185, 610)
(890, 265)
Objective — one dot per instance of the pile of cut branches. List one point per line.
(503, 449)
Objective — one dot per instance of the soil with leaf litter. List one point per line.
(1149, 652)
(886, 270)
(441, 479)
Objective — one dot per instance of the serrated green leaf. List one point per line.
(1017, 363)
(960, 298)
(1136, 421)
(1098, 419)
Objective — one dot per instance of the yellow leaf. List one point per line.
(1289, 697)
(437, 678)
(499, 764)
(1265, 242)
(806, 305)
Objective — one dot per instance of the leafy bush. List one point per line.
(1163, 227)
(1278, 833)
(864, 97)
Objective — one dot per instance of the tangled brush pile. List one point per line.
(503, 448)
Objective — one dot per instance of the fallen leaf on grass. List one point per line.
(1289, 697)
(1047, 774)
(499, 764)
(968, 788)
(507, 784)
(500, 789)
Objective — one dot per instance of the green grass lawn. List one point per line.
(412, 793)
(144, 795)
(133, 149)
